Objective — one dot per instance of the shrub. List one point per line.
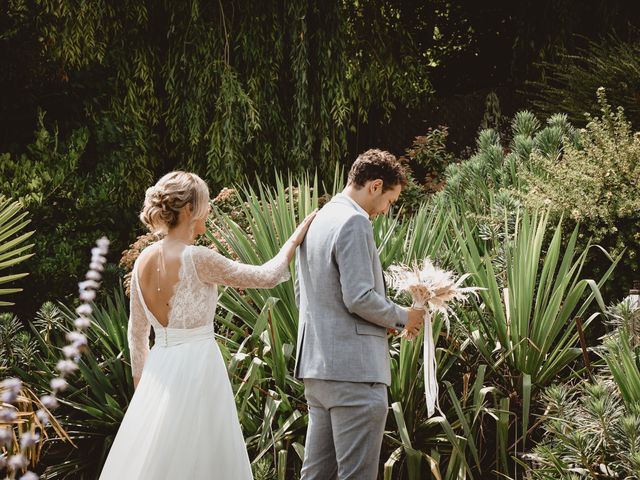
(595, 182)
(592, 429)
(69, 207)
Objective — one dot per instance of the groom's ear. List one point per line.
(376, 185)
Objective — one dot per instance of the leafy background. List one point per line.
(498, 110)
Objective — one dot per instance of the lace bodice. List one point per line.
(193, 303)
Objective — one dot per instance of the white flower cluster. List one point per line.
(431, 288)
(10, 388)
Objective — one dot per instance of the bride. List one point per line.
(182, 420)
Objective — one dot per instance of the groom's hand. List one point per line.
(415, 323)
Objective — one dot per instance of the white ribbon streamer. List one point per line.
(430, 375)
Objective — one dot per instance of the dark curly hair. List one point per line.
(377, 164)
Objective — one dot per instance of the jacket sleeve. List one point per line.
(353, 251)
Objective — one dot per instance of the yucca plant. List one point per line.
(436, 442)
(12, 249)
(526, 330)
(450, 444)
(405, 240)
(623, 362)
(260, 326)
(257, 335)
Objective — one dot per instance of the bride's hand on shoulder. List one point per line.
(301, 231)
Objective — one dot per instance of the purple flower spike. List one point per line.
(88, 284)
(43, 416)
(87, 295)
(8, 415)
(93, 275)
(29, 476)
(49, 401)
(28, 440)
(9, 396)
(82, 322)
(6, 437)
(78, 339)
(58, 384)
(84, 310)
(11, 384)
(97, 266)
(70, 351)
(66, 366)
(17, 462)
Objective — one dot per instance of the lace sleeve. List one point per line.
(211, 267)
(138, 330)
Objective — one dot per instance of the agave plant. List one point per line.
(526, 330)
(12, 250)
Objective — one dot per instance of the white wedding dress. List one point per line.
(182, 421)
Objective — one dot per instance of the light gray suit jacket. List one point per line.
(340, 292)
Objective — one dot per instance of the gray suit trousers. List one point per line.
(346, 425)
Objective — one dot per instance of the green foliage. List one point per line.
(68, 206)
(17, 348)
(12, 249)
(257, 335)
(595, 182)
(588, 433)
(592, 429)
(492, 117)
(94, 404)
(622, 361)
(524, 328)
(258, 338)
(497, 169)
(588, 176)
(427, 158)
(567, 85)
(231, 87)
(259, 327)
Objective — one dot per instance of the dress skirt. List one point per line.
(182, 421)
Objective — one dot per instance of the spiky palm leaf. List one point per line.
(12, 248)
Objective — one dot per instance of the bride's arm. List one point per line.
(211, 267)
(137, 332)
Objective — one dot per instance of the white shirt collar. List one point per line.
(354, 203)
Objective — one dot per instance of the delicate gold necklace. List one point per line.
(158, 273)
(158, 270)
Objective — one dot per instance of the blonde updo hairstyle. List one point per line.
(164, 201)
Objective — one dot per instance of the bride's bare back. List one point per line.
(158, 275)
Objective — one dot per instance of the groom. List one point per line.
(343, 353)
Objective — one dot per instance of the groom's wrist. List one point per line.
(402, 317)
